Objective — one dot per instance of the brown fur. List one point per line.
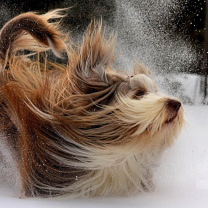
(57, 118)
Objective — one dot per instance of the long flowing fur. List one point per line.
(80, 129)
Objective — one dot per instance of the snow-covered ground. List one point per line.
(181, 179)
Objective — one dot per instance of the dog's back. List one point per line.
(30, 32)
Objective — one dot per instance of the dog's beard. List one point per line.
(149, 120)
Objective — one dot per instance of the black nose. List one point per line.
(173, 105)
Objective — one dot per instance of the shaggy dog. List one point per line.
(80, 129)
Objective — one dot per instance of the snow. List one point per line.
(187, 87)
(181, 179)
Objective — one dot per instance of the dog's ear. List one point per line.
(95, 58)
(142, 69)
(33, 32)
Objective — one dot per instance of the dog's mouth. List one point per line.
(170, 120)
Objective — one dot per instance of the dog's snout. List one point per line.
(173, 105)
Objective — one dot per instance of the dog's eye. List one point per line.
(139, 94)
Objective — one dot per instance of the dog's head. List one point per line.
(117, 108)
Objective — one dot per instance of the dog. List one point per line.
(80, 129)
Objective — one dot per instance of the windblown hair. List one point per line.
(80, 129)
